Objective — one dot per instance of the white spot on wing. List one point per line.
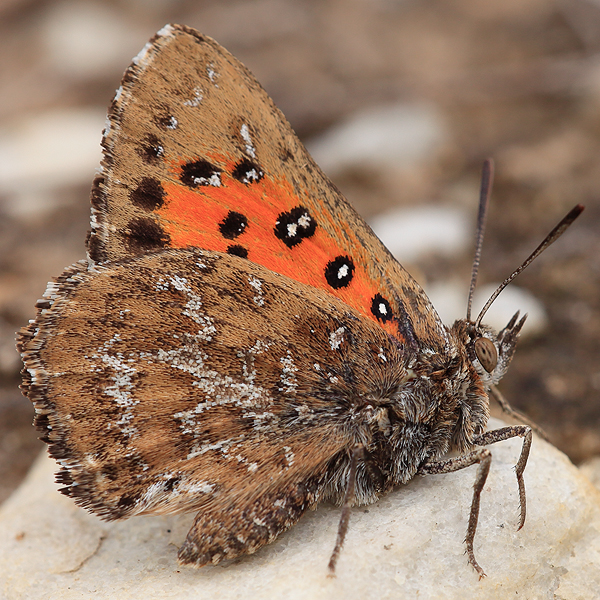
(119, 370)
(288, 374)
(304, 221)
(212, 74)
(289, 456)
(245, 132)
(214, 180)
(257, 285)
(196, 100)
(336, 338)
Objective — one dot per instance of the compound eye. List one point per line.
(486, 353)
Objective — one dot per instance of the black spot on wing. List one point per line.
(151, 149)
(233, 225)
(381, 308)
(144, 234)
(237, 250)
(148, 195)
(339, 272)
(200, 172)
(247, 172)
(294, 226)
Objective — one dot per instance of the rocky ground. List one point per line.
(453, 81)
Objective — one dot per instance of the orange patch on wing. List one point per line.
(191, 217)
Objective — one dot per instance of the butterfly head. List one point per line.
(486, 355)
(490, 352)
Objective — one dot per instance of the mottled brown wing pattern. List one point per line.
(197, 154)
(216, 355)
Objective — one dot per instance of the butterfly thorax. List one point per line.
(438, 403)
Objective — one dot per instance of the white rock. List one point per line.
(408, 545)
(400, 134)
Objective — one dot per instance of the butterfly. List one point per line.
(238, 342)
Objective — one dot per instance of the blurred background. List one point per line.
(399, 101)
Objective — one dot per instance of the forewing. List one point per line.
(189, 379)
(197, 154)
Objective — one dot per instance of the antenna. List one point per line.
(548, 240)
(487, 178)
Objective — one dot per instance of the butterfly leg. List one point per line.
(357, 453)
(505, 433)
(482, 456)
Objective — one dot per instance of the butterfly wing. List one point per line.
(197, 154)
(196, 387)
(167, 360)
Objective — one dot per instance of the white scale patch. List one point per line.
(382, 309)
(212, 74)
(336, 338)
(107, 127)
(160, 493)
(214, 388)
(257, 285)
(252, 467)
(245, 132)
(142, 56)
(214, 180)
(303, 221)
(288, 374)
(222, 446)
(196, 487)
(193, 306)
(51, 293)
(342, 272)
(304, 412)
(196, 100)
(252, 175)
(289, 456)
(262, 421)
(382, 355)
(122, 387)
(248, 359)
(173, 123)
